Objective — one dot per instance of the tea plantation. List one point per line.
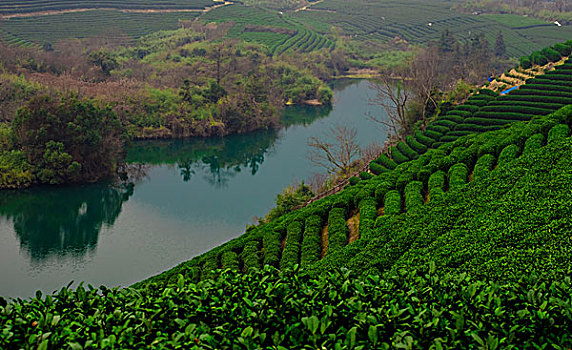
(463, 242)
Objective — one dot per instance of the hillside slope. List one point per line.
(510, 224)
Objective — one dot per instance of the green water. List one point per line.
(193, 195)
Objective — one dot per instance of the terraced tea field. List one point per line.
(419, 22)
(23, 6)
(32, 31)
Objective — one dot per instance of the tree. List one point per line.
(500, 47)
(337, 151)
(392, 96)
(68, 139)
(423, 79)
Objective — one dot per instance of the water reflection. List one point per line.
(67, 221)
(62, 221)
(223, 158)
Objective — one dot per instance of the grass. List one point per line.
(37, 30)
(22, 6)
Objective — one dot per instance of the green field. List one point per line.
(37, 30)
(23, 6)
(381, 21)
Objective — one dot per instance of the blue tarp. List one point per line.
(509, 90)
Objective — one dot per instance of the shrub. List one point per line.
(229, 260)
(438, 128)
(413, 195)
(563, 49)
(434, 135)
(209, 267)
(397, 156)
(508, 154)
(377, 168)
(538, 58)
(525, 62)
(446, 123)
(338, 231)
(454, 118)
(291, 252)
(354, 180)
(251, 255)
(416, 145)
(484, 166)
(381, 189)
(311, 242)
(392, 203)
(368, 214)
(272, 243)
(364, 175)
(458, 175)
(534, 142)
(385, 161)
(436, 185)
(423, 139)
(551, 54)
(558, 133)
(407, 151)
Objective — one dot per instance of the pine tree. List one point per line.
(500, 47)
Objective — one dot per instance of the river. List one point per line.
(195, 195)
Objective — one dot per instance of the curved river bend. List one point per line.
(196, 195)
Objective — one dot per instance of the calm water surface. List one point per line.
(196, 194)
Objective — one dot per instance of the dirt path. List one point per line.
(324, 237)
(308, 6)
(60, 12)
(353, 226)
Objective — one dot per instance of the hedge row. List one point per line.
(385, 161)
(553, 106)
(546, 87)
(423, 139)
(381, 190)
(459, 133)
(377, 168)
(547, 80)
(229, 260)
(272, 243)
(484, 165)
(251, 255)
(434, 135)
(210, 265)
(413, 195)
(467, 108)
(338, 231)
(509, 153)
(368, 214)
(488, 121)
(534, 142)
(436, 185)
(558, 133)
(407, 151)
(537, 98)
(392, 203)
(460, 112)
(446, 123)
(517, 109)
(437, 128)
(454, 118)
(415, 145)
(312, 241)
(458, 176)
(547, 93)
(503, 115)
(477, 128)
(291, 251)
(397, 156)
(477, 102)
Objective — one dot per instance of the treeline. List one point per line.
(170, 84)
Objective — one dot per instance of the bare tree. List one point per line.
(337, 151)
(423, 76)
(392, 95)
